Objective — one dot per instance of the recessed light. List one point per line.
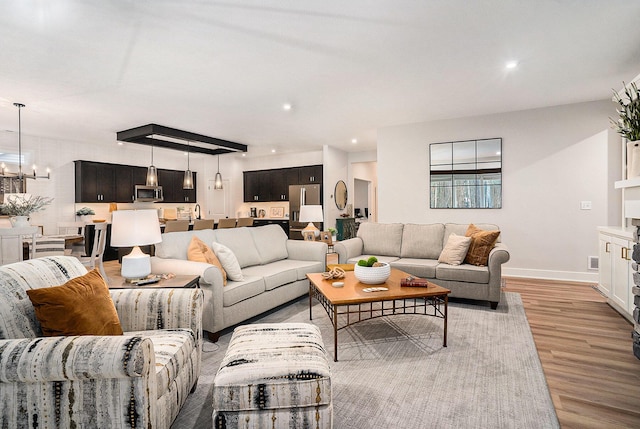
(511, 65)
(354, 141)
(120, 143)
(244, 154)
(286, 106)
(273, 151)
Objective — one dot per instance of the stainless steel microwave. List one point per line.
(145, 193)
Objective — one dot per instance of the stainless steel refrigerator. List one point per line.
(300, 195)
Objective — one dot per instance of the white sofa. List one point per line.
(415, 249)
(274, 270)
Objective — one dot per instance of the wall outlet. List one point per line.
(585, 205)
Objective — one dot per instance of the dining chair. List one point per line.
(176, 225)
(203, 224)
(71, 229)
(97, 251)
(12, 241)
(226, 223)
(245, 221)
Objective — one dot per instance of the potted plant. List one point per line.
(372, 272)
(20, 207)
(628, 122)
(333, 232)
(85, 214)
(628, 125)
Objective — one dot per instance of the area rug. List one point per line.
(394, 373)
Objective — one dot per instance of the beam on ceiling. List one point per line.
(140, 135)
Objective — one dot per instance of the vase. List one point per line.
(19, 221)
(372, 275)
(86, 218)
(633, 159)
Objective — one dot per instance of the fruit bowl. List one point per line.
(372, 275)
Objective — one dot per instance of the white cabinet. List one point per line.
(616, 274)
(604, 259)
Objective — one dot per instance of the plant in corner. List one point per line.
(628, 122)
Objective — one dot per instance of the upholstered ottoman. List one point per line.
(273, 376)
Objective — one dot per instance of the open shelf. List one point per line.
(629, 183)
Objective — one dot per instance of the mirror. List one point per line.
(340, 195)
(466, 174)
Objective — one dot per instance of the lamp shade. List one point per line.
(311, 213)
(135, 228)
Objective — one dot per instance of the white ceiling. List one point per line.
(86, 69)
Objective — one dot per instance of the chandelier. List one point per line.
(20, 175)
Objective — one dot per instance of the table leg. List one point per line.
(446, 306)
(335, 333)
(310, 300)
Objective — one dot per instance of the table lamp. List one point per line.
(311, 213)
(134, 228)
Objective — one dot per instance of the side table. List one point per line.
(183, 281)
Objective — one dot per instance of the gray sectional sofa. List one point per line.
(274, 270)
(415, 249)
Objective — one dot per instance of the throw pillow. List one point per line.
(481, 244)
(229, 261)
(455, 250)
(198, 251)
(81, 306)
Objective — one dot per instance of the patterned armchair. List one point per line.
(139, 379)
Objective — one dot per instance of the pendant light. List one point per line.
(152, 172)
(217, 184)
(187, 182)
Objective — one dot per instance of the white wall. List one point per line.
(335, 168)
(552, 159)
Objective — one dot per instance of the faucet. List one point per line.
(197, 208)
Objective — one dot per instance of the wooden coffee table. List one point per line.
(349, 304)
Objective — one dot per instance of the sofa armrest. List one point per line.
(498, 256)
(348, 249)
(34, 360)
(300, 250)
(149, 309)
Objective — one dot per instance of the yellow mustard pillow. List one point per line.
(198, 251)
(81, 306)
(481, 244)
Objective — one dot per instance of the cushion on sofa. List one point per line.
(274, 274)
(172, 350)
(235, 292)
(271, 242)
(422, 241)
(481, 244)
(174, 245)
(228, 260)
(462, 273)
(461, 229)
(425, 268)
(81, 306)
(241, 243)
(381, 239)
(199, 251)
(455, 250)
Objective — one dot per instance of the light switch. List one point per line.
(585, 205)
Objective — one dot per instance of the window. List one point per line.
(466, 174)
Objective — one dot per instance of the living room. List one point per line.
(551, 112)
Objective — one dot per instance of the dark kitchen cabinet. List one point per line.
(171, 182)
(309, 175)
(98, 182)
(256, 186)
(95, 182)
(273, 185)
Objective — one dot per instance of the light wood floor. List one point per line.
(586, 352)
(585, 349)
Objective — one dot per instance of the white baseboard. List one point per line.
(573, 276)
